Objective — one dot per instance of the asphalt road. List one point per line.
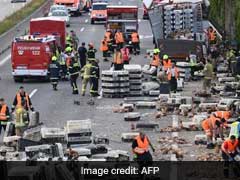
(57, 107)
(7, 8)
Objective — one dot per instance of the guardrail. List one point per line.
(22, 27)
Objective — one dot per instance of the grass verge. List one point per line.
(19, 15)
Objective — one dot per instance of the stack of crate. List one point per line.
(78, 132)
(115, 83)
(135, 79)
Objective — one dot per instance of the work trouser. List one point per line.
(84, 84)
(136, 48)
(118, 67)
(206, 84)
(73, 81)
(105, 54)
(82, 62)
(94, 86)
(126, 62)
(22, 121)
(54, 82)
(173, 84)
(63, 71)
(2, 126)
(110, 47)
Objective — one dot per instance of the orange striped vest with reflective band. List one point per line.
(231, 147)
(3, 116)
(104, 45)
(142, 144)
(19, 100)
(134, 37)
(119, 37)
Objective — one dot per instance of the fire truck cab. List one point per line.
(31, 56)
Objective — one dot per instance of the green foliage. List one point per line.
(19, 15)
(217, 14)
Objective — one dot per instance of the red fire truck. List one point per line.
(31, 56)
(49, 26)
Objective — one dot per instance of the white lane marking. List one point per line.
(2, 62)
(82, 29)
(32, 93)
(86, 20)
(145, 36)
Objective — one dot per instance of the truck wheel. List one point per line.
(18, 79)
(92, 21)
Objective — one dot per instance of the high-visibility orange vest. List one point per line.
(108, 36)
(231, 148)
(167, 64)
(142, 144)
(19, 100)
(209, 123)
(169, 73)
(3, 115)
(119, 38)
(134, 37)
(155, 61)
(117, 58)
(104, 45)
(223, 114)
(212, 35)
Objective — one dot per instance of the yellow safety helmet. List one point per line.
(165, 56)
(68, 49)
(54, 58)
(156, 50)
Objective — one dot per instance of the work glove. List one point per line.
(32, 109)
(153, 149)
(12, 110)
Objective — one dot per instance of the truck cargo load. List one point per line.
(49, 26)
(31, 56)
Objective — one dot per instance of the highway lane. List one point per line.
(7, 8)
(57, 107)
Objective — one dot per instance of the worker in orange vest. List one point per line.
(118, 60)
(212, 128)
(4, 115)
(230, 148)
(119, 39)
(140, 148)
(155, 63)
(172, 75)
(104, 48)
(135, 42)
(223, 114)
(167, 63)
(212, 35)
(109, 36)
(22, 99)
